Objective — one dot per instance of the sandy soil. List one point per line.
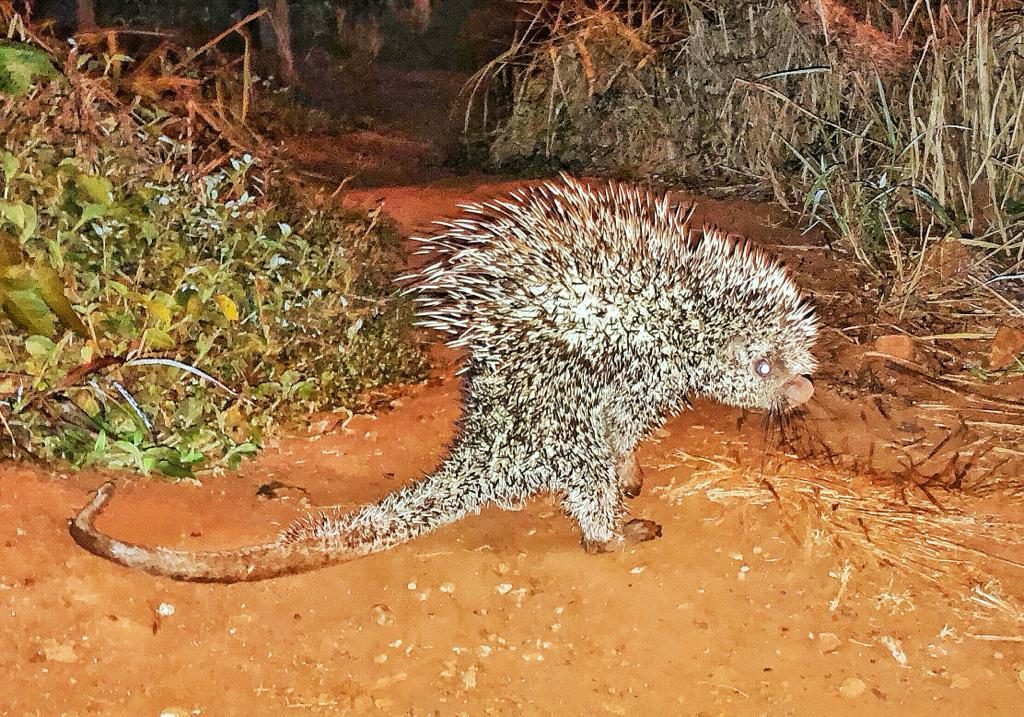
(746, 606)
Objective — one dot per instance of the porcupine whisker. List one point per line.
(766, 428)
(778, 428)
(772, 432)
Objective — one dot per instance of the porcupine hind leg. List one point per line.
(630, 475)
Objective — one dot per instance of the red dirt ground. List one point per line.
(742, 608)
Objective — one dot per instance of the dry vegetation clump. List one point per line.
(894, 125)
(634, 87)
(166, 297)
(929, 153)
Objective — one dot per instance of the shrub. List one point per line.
(212, 305)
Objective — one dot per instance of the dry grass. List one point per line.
(959, 550)
(893, 125)
(202, 96)
(630, 86)
(912, 158)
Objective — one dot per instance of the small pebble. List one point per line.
(899, 346)
(165, 609)
(382, 614)
(852, 687)
(1006, 346)
(960, 682)
(63, 652)
(447, 587)
(828, 642)
(504, 588)
(174, 712)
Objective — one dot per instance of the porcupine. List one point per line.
(588, 316)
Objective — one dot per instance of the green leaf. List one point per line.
(160, 306)
(22, 216)
(160, 339)
(20, 65)
(39, 346)
(118, 287)
(10, 166)
(31, 222)
(131, 450)
(148, 230)
(173, 467)
(26, 309)
(97, 189)
(89, 212)
(233, 458)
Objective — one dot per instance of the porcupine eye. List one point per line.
(762, 368)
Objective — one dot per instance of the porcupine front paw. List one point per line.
(638, 530)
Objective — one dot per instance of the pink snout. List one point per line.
(797, 391)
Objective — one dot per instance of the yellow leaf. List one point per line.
(236, 424)
(160, 311)
(99, 190)
(227, 307)
(51, 289)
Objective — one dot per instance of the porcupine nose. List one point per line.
(797, 390)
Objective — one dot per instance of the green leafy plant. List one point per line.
(20, 65)
(160, 318)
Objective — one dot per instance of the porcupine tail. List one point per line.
(316, 541)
